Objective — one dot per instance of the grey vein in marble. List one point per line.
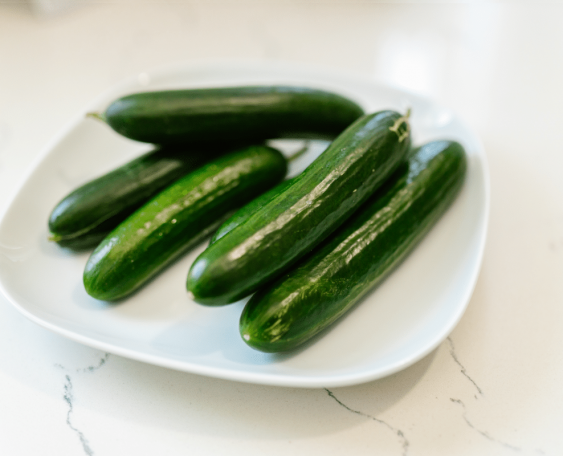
(68, 397)
(463, 370)
(92, 368)
(96, 367)
(400, 434)
(483, 433)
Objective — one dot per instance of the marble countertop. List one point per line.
(492, 387)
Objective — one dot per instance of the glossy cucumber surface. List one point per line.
(231, 114)
(178, 218)
(86, 215)
(295, 221)
(245, 212)
(360, 255)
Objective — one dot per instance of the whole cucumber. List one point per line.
(178, 218)
(230, 114)
(86, 215)
(359, 256)
(295, 221)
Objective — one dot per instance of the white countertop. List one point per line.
(492, 387)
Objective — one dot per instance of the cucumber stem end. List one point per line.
(97, 115)
(298, 154)
(402, 120)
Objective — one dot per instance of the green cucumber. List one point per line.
(294, 222)
(176, 219)
(85, 216)
(360, 255)
(230, 114)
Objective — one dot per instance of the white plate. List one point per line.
(399, 323)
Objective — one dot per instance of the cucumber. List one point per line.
(178, 218)
(294, 222)
(230, 114)
(85, 216)
(360, 255)
(244, 213)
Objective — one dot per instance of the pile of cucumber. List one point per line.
(306, 249)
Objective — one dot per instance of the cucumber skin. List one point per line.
(294, 222)
(230, 115)
(86, 215)
(360, 255)
(245, 212)
(178, 218)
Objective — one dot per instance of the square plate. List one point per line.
(397, 324)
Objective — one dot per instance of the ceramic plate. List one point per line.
(397, 324)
